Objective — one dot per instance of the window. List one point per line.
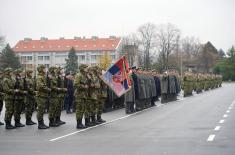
(23, 59)
(46, 58)
(81, 57)
(93, 57)
(29, 58)
(47, 65)
(40, 58)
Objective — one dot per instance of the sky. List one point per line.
(208, 20)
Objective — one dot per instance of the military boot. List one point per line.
(58, 121)
(94, 121)
(52, 123)
(30, 122)
(1, 123)
(41, 125)
(99, 119)
(80, 125)
(87, 122)
(9, 126)
(18, 124)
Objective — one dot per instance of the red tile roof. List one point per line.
(61, 45)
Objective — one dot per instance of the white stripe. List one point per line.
(217, 128)
(230, 108)
(225, 116)
(221, 121)
(83, 130)
(228, 111)
(211, 138)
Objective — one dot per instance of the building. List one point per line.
(53, 52)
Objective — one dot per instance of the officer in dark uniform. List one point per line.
(1, 95)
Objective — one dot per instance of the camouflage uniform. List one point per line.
(1, 94)
(30, 98)
(81, 88)
(19, 98)
(90, 106)
(60, 95)
(53, 100)
(8, 87)
(42, 94)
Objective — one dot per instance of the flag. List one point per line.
(117, 77)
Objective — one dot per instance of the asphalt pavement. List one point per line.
(202, 124)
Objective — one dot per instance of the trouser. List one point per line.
(53, 102)
(68, 102)
(80, 108)
(1, 105)
(17, 109)
(90, 108)
(41, 103)
(9, 105)
(59, 106)
(100, 106)
(29, 106)
(164, 97)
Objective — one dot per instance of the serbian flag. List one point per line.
(117, 77)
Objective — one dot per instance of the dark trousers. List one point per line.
(68, 102)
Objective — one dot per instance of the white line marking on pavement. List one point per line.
(230, 108)
(217, 128)
(228, 111)
(83, 130)
(225, 116)
(211, 138)
(221, 121)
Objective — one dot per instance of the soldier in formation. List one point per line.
(1, 95)
(198, 82)
(144, 91)
(170, 86)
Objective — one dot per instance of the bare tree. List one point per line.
(168, 36)
(190, 46)
(147, 37)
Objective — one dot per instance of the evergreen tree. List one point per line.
(9, 59)
(71, 62)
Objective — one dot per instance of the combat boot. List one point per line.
(87, 122)
(1, 123)
(30, 122)
(41, 125)
(94, 121)
(80, 125)
(9, 126)
(18, 124)
(58, 121)
(52, 123)
(99, 119)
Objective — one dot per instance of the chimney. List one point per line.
(112, 37)
(77, 38)
(61, 38)
(43, 38)
(27, 39)
(94, 37)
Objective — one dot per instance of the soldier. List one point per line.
(90, 108)
(60, 94)
(9, 89)
(53, 98)
(42, 94)
(102, 95)
(1, 95)
(130, 97)
(164, 87)
(19, 97)
(30, 98)
(81, 89)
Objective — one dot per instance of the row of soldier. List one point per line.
(148, 86)
(198, 82)
(90, 93)
(49, 89)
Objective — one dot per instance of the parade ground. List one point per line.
(202, 124)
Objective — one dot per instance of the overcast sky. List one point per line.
(209, 20)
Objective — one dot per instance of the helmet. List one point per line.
(52, 69)
(40, 68)
(8, 70)
(82, 67)
(18, 71)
